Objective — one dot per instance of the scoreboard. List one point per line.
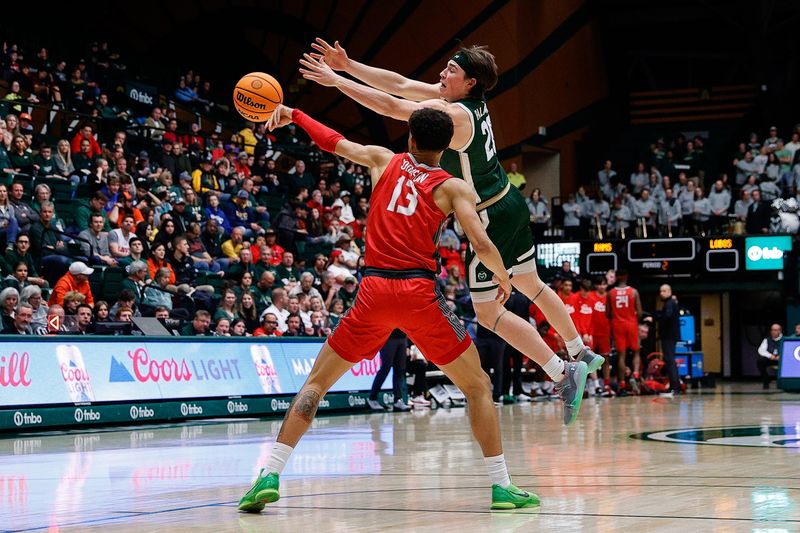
(731, 257)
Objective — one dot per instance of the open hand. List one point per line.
(317, 70)
(504, 290)
(334, 56)
(280, 117)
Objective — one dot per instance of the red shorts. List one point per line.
(410, 305)
(602, 345)
(626, 335)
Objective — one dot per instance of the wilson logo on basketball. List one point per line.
(246, 100)
(146, 369)
(14, 370)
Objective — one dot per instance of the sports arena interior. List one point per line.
(180, 267)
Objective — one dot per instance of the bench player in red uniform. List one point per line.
(625, 309)
(601, 329)
(582, 302)
(411, 200)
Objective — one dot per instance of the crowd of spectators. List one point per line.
(671, 192)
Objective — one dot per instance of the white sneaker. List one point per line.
(419, 400)
(374, 405)
(523, 398)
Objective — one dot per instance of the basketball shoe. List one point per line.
(512, 497)
(264, 491)
(571, 388)
(593, 361)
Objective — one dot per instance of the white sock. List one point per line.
(554, 368)
(498, 472)
(575, 346)
(277, 461)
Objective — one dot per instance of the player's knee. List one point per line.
(480, 385)
(487, 313)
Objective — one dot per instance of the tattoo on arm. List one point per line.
(305, 406)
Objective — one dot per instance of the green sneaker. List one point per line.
(263, 491)
(512, 498)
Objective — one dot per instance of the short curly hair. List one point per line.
(431, 129)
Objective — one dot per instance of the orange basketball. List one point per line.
(256, 96)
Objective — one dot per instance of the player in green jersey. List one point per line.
(472, 156)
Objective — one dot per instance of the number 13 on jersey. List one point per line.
(411, 197)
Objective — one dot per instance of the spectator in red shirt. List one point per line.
(86, 133)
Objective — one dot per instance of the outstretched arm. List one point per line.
(374, 99)
(383, 103)
(384, 80)
(374, 157)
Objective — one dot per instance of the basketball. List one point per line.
(256, 96)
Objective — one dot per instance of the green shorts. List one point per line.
(507, 223)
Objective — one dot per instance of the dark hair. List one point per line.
(484, 69)
(126, 295)
(431, 129)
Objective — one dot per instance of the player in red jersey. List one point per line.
(625, 309)
(601, 327)
(582, 303)
(412, 198)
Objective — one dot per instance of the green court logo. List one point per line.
(766, 436)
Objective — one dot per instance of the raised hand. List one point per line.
(334, 56)
(317, 70)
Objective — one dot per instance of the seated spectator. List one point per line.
(227, 306)
(269, 327)
(18, 278)
(182, 264)
(156, 125)
(32, 295)
(158, 260)
(71, 302)
(740, 211)
(222, 328)
(277, 250)
(294, 326)
(21, 324)
(287, 272)
(21, 253)
(47, 243)
(94, 243)
(77, 279)
(97, 204)
(233, 246)
(83, 323)
(138, 274)
(769, 354)
(262, 291)
(101, 311)
(23, 213)
(124, 314)
(136, 253)
(199, 325)
(239, 328)
(214, 212)
(159, 293)
(244, 265)
(9, 298)
(86, 134)
(20, 157)
(246, 309)
(279, 308)
(348, 292)
(119, 239)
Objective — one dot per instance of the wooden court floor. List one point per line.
(422, 471)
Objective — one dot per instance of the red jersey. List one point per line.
(582, 314)
(623, 307)
(404, 223)
(601, 327)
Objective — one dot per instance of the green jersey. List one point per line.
(476, 162)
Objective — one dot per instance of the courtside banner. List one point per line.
(65, 370)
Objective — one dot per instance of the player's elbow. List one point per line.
(481, 245)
